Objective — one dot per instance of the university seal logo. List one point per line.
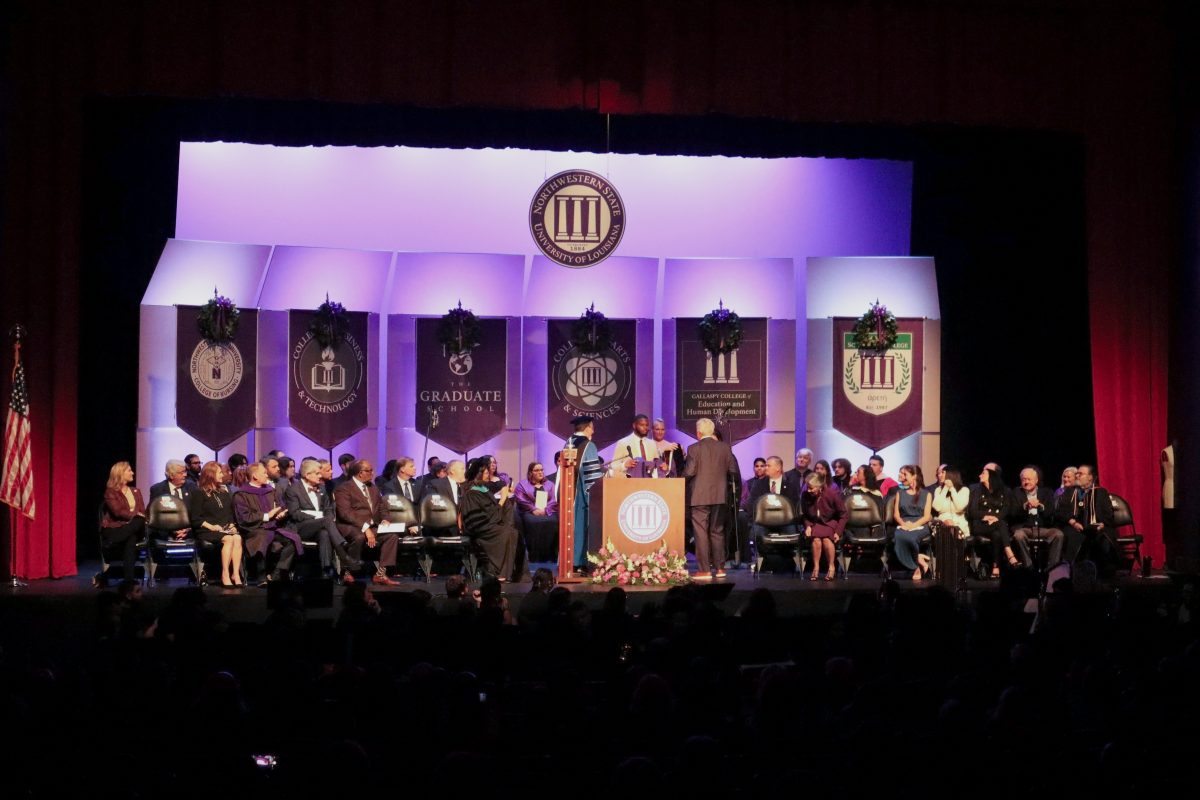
(328, 380)
(593, 383)
(643, 517)
(577, 218)
(216, 369)
(877, 383)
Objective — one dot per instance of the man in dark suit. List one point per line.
(405, 484)
(175, 484)
(344, 462)
(1085, 515)
(449, 488)
(804, 466)
(360, 516)
(774, 481)
(312, 514)
(1033, 518)
(709, 467)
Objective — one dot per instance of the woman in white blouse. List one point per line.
(950, 500)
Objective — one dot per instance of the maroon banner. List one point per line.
(467, 394)
(215, 385)
(877, 396)
(602, 385)
(730, 388)
(327, 401)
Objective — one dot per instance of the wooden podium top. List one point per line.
(639, 515)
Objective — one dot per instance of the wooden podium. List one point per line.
(639, 515)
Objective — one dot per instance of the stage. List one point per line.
(69, 602)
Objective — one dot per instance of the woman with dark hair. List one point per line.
(865, 483)
(823, 513)
(951, 500)
(210, 509)
(914, 511)
(485, 521)
(123, 519)
(822, 468)
(389, 472)
(842, 475)
(988, 514)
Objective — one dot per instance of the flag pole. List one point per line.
(16, 333)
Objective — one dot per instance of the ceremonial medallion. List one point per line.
(577, 218)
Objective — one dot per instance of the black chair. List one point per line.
(1129, 541)
(775, 511)
(111, 554)
(442, 538)
(164, 516)
(402, 513)
(866, 532)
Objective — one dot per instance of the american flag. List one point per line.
(16, 489)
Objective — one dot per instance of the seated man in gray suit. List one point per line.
(708, 469)
(311, 513)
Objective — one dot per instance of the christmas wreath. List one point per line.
(721, 330)
(592, 332)
(459, 331)
(329, 323)
(875, 330)
(218, 318)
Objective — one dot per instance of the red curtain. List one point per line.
(1100, 70)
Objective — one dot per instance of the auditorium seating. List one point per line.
(774, 511)
(411, 546)
(1129, 541)
(164, 516)
(865, 531)
(442, 538)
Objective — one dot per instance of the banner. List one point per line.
(877, 396)
(602, 385)
(327, 399)
(467, 394)
(730, 388)
(215, 386)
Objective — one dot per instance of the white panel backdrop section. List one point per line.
(433, 283)
(301, 277)
(188, 271)
(844, 287)
(446, 201)
(620, 287)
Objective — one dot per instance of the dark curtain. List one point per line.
(1097, 70)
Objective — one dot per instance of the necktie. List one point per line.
(407, 491)
(175, 492)
(642, 444)
(774, 487)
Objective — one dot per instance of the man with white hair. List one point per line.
(709, 466)
(176, 484)
(805, 459)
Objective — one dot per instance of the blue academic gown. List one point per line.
(590, 470)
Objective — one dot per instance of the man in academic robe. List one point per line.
(590, 469)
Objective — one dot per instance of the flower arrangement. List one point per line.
(875, 330)
(721, 330)
(592, 332)
(329, 323)
(660, 568)
(459, 331)
(218, 318)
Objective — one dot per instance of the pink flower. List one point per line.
(621, 580)
(620, 568)
(603, 553)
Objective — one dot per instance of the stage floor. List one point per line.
(794, 596)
